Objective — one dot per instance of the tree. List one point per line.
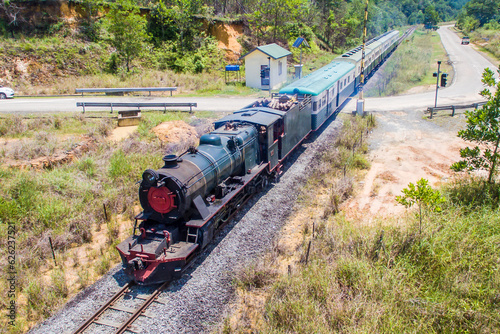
(174, 21)
(431, 16)
(272, 16)
(89, 27)
(423, 195)
(12, 12)
(483, 127)
(482, 10)
(128, 30)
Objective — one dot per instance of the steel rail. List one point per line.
(104, 307)
(141, 309)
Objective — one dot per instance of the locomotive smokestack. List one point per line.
(170, 161)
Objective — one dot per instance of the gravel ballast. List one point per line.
(196, 302)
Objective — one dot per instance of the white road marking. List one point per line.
(38, 101)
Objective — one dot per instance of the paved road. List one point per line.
(48, 105)
(468, 63)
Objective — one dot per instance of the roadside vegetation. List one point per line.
(390, 279)
(412, 65)
(488, 39)
(480, 20)
(65, 201)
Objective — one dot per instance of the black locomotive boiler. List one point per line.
(187, 200)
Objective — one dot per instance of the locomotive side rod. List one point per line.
(141, 309)
(103, 308)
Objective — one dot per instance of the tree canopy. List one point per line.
(477, 13)
(127, 29)
(483, 128)
(176, 27)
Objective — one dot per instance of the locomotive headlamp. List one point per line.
(149, 177)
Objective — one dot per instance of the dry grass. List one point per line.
(384, 277)
(66, 201)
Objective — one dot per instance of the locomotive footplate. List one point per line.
(143, 264)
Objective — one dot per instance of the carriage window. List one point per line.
(315, 106)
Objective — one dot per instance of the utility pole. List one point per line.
(360, 106)
(437, 82)
(269, 71)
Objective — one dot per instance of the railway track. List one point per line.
(111, 304)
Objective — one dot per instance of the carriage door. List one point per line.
(274, 141)
(278, 134)
(264, 75)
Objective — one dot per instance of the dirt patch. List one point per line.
(227, 36)
(176, 132)
(122, 132)
(58, 158)
(404, 148)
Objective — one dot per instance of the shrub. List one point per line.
(256, 276)
(472, 193)
(12, 125)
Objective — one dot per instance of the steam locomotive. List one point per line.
(188, 199)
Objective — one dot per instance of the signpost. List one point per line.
(360, 105)
(298, 43)
(436, 75)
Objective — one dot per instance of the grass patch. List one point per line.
(396, 280)
(488, 40)
(392, 279)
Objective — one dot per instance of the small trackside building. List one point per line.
(266, 66)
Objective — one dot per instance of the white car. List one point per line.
(6, 93)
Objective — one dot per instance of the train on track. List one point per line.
(188, 199)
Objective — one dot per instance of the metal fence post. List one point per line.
(52, 249)
(453, 112)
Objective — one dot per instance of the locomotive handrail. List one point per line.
(137, 105)
(226, 157)
(125, 90)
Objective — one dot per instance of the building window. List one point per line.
(280, 67)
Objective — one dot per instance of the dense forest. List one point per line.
(177, 26)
